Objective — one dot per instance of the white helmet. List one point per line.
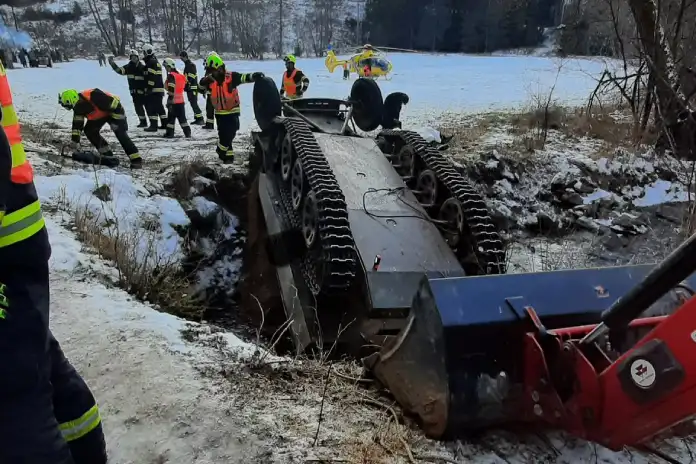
(169, 63)
(148, 50)
(133, 52)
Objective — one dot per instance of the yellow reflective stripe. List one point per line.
(19, 156)
(22, 213)
(159, 90)
(81, 426)
(114, 103)
(139, 78)
(9, 116)
(155, 72)
(21, 224)
(232, 111)
(130, 76)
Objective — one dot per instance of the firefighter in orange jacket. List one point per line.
(294, 83)
(99, 108)
(176, 86)
(224, 96)
(47, 413)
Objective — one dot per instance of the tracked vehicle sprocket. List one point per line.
(450, 200)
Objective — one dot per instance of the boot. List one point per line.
(153, 126)
(163, 124)
(169, 134)
(209, 126)
(198, 121)
(136, 162)
(143, 123)
(187, 131)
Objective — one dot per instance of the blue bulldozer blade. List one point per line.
(458, 363)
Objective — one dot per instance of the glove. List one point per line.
(257, 76)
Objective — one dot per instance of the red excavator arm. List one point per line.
(624, 401)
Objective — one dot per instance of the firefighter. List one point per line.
(47, 413)
(154, 90)
(209, 110)
(191, 74)
(99, 108)
(177, 85)
(134, 70)
(225, 100)
(294, 83)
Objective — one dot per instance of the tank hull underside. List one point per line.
(386, 221)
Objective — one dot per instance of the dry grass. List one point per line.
(531, 129)
(140, 267)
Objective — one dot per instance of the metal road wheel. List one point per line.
(452, 213)
(426, 185)
(406, 159)
(296, 185)
(310, 219)
(286, 156)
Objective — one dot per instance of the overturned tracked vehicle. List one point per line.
(354, 222)
(381, 243)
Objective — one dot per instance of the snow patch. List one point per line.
(126, 208)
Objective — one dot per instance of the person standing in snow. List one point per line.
(191, 74)
(99, 108)
(294, 82)
(209, 109)
(48, 414)
(177, 85)
(134, 70)
(154, 90)
(225, 99)
(102, 59)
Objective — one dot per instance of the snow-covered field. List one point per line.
(147, 375)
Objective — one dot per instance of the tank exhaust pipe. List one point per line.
(668, 274)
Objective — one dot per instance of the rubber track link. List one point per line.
(488, 246)
(338, 255)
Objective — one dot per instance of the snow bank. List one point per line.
(565, 186)
(121, 206)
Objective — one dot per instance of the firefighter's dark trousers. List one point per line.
(227, 127)
(177, 111)
(155, 107)
(209, 110)
(47, 413)
(120, 129)
(139, 103)
(193, 101)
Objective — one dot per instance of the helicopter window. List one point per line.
(380, 63)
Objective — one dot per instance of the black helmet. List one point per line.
(183, 54)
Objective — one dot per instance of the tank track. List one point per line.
(334, 267)
(483, 237)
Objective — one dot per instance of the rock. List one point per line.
(584, 186)
(103, 192)
(612, 242)
(671, 213)
(548, 224)
(587, 223)
(572, 198)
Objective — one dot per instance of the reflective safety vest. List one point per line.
(96, 112)
(22, 218)
(289, 84)
(224, 101)
(179, 87)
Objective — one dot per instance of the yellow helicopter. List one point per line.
(368, 62)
